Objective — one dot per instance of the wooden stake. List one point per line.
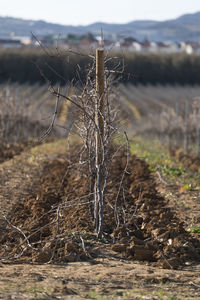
(99, 119)
(100, 102)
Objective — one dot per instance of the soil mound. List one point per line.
(189, 160)
(8, 151)
(54, 224)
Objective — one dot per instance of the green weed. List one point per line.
(159, 293)
(187, 187)
(158, 158)
(194, 229)
(169, 170)
(94, 295)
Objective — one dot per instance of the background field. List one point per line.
(162, 122)
(168, 113)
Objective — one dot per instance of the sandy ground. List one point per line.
(104, 278)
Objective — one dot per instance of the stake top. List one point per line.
(101, 42)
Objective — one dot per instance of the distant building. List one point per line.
(187, 48)
(195, 47)
(89, 42)
(136, 46)
(25, 40)
(10, 43)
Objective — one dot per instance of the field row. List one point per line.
(171, 113)
(26, 112)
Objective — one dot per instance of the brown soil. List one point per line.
(49, 222)
(11, 149)
(189, 160)
(8, 151)
(186, 202)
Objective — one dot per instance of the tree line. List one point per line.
(33, 65)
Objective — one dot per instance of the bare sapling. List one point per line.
(94, 122)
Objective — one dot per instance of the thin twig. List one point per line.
(122, 178)
(83, 246)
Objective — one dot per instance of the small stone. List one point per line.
(169, 242)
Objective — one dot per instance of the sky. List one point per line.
(84, 12)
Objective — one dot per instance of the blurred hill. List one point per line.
(184, 28)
